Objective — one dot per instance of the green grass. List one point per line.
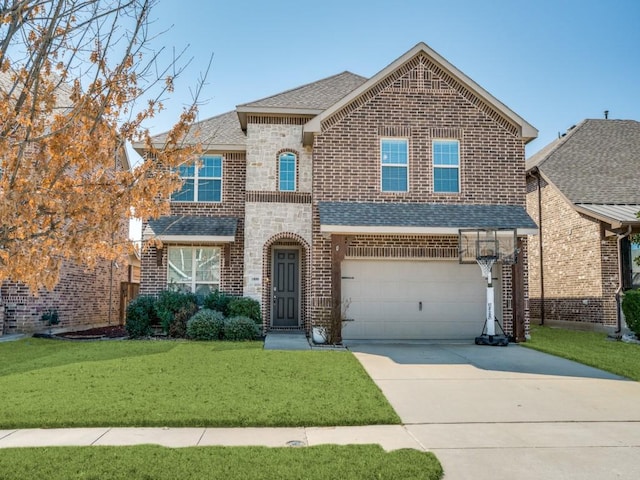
(589, 348)
(228, 463)
(47, 384)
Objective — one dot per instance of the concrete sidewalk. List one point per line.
(390, 437)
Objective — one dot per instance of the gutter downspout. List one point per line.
(621, 236)
(535, 171)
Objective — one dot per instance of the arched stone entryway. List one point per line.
(285, 270)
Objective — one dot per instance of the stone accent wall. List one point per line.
(83, 299)
(580, 266)
(264, 143)
(154, 270)
(264, 221)
(422, 103)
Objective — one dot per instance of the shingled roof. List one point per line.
(343, 216)
(318, 95)
(192, 227)
(597, 162)
(219, 132)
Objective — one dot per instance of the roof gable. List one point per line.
(438, 74)
(597, 162)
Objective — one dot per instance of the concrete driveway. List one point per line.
(510, 413)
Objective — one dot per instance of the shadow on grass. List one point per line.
(34, 353)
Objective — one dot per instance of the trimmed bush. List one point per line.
(141, 314)
(240, 328)
(631, 309)
(206, 325)
(245, 307)
(219, 301)
(174, 309)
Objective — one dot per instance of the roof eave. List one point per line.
(243, 111)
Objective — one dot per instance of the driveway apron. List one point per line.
(509, 413)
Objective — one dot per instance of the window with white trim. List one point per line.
(194, 269)
(446, 166)
(287, 172)
(202, 181)
(394, 164)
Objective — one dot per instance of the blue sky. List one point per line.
(552, 62)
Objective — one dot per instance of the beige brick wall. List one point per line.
(264, 221)
(580, 266)
(264, 143)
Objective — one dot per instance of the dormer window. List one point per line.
(202, 182)
(287, 172)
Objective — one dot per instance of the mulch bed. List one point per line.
(114, 331)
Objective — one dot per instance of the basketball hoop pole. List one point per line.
(486, 265)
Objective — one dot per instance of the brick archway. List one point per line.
(293, 240)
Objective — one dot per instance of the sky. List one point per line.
(553, 62)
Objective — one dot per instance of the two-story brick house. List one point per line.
(347, 195)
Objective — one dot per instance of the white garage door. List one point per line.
(396, 299)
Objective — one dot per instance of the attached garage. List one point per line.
(409, 299)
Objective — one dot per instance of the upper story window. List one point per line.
(446, 166)
(287, 172)
(394, 160)
(202, 182)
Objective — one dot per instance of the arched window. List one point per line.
(287, 172)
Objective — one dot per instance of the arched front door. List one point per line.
(285, 311)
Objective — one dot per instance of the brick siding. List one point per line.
(421, 103)
(580, 266)
(154, 272)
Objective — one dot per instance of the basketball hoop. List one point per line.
(486, 265)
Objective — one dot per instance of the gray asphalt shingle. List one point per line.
(596, 162)
(191, 225)
(424, 215)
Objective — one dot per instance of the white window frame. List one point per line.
(295, 171)
(434, 166)
(394, 165)
(196, 178)
(193, 282)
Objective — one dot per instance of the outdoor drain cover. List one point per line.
(296, 443)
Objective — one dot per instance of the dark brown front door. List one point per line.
(286, 300)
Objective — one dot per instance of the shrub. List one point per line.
(206, 325)
(631, 309)
(174, 309)
(240, 328)
(219, 301)
(141, 314)
(245, 307)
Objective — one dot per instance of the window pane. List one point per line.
(180, 265)
(211, 167)
(208, 264)
(209, 190)
(187, 170)
(287, 169)
(394, 179)
(185, 194)
(394, 151)
(445, 180)
(445, 152)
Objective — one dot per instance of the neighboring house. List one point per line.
(347, 195)
(83, 298)
(584, 193)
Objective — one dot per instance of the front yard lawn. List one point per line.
(590, 348)
(228, 463)
(47, 384)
